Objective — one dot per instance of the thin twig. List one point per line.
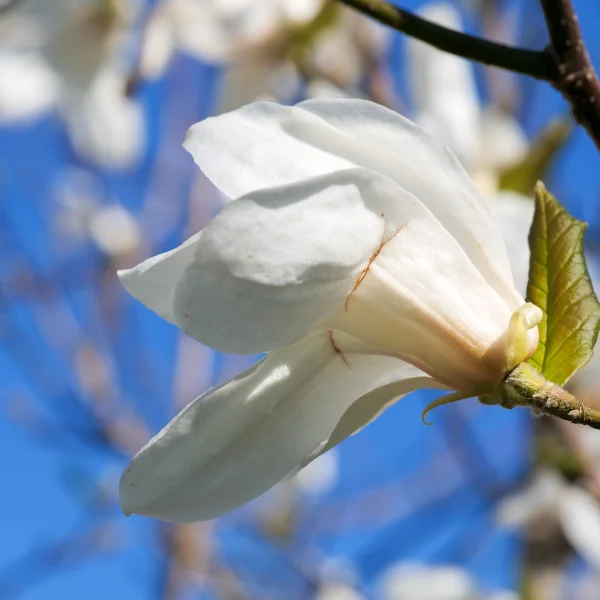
(575, 77)
(525, 386)
(565, 63)
(527, 62)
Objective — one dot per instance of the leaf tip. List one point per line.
(540, 188)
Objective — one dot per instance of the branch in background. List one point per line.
(527, 62)
(565, 63)
(575, 77)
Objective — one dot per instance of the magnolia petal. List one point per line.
(421, 299)
(368, 407)
(274, 265)
(153, 281)
(396, 147)
(237, 440)
(267, 145)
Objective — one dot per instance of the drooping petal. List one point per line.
(268, 145)
(237, 440)
(274, 265)
(153, 281)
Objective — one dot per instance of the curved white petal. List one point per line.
(274, 265)
(153, 281)
(267, 145)
(443, 88)
(237, 440)
(421, 298)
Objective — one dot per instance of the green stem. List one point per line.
(527, 62)
(525, 386)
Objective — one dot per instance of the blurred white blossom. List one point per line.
(115, 231)
(550, 497)
(333, 590)
(415, 581)
(321, 475)
(579, 516)
(69, 55)
(83, 215)
(420, 582)
(540, 496)
(266, 47)
(447, 106)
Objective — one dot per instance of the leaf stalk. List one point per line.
(526, 386)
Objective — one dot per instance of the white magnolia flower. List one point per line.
(356, 252)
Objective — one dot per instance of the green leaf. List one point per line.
(560, 285)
